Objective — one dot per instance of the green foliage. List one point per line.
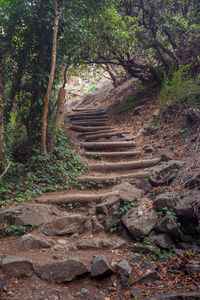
(41, 173)
(6, 229)
(95, 156)
(180, 88)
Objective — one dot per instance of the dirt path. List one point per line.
(75, 225)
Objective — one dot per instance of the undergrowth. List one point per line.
(53, 171)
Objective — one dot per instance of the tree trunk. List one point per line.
(2, 143)
(50, 84)
(59, 116)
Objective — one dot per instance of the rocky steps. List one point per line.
(71, 253)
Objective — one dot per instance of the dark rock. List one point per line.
(94, 243)
(103, 207)
(193, 267)
(161, 240)
(193, 182)
(134, 257)
(128, 137)
(114, 139)
(165, 172)
(167, 155)
(148, 148)
(128, 192)
(169, 226)
(149, 275)
(136, 293)
(32, 214)
(113, 218)
(145, 265)
(29, 241)
(120, 243)
(62, 271)
(184, 296)
(87, 226)
(124, 272)
(140, 220)
(83, 294)
(66, 225)
(180, 205)
(144, 184)
(100, 267)
(96, 225)
(145, 249)
(17, 266)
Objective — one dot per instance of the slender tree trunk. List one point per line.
(59, 116)
(51, 78)
(2, 143)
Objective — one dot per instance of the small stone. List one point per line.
(134, 257)
(128, 137)
(94, 243)
(100, 267)
(144, 184)
(63, 242)
(96, 225)
(83, 294)
(136, 293)
(167, 155)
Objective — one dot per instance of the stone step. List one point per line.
(118, 154)
(89, 128)
(124, 165)
(78, 197)
(107, 145)
(113, 179)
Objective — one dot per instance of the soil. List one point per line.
(169, 280)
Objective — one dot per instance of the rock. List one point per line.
(94, 243)
(184, 296)
(165, 172)
(124, 272)
(167, 155)
(134, 257)
(180, 205)
(101, 140)
(193, 182)
(96, 225)
(29, 241)
(100, 267)
(66, 225)
(17, 266)
(149, 273)
(144, 184)
(62, 271)
(128, 192)
(161, 240)
(114, 139)
(32, 214)
(140, 248)
(169, 226)
(103, 207)
(136, 293)
(83, 294)
(140, 220)
(120, 243)
(87, 226)
(193, 267)
(128, 137)
(113, 218)
(148, 148)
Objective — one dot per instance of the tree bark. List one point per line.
(2, 142)
(50, 83)
(59, 116)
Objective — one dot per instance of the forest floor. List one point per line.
(154, 271)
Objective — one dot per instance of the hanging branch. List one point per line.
(51, 78)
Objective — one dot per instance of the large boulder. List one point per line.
(168, 225)
(17, 266)
(62, 271)
(29, 242)
(140, 220)
(181, 205)
(32, 214)
(68, 224)
(100, 267)
(165, 172)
